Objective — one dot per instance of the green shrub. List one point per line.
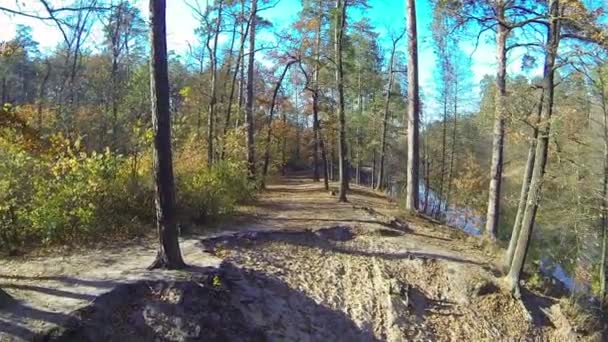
(208, 193)
(64, 195)
(67, 195)
(16, 188)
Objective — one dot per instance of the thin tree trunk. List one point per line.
(493, 212)
(242, 79)
(444, 134)
(525, 187)
(373, 180)
(315, 104)
(239, 61)
(228, 60)
(297, 109)
(169, 254)
(413, 155)
(116, 49)
(342, 150)
(603, 261)
(427, 185)
(542, 147)
(453, 155)
(250, 99)
(385, 118)
(270, 117)
(358, 157)
(284, 146)
(213, 99)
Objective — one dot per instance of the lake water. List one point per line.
(466, 220)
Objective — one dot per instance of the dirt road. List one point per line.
(295, 266)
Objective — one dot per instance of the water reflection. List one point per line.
(466, 220)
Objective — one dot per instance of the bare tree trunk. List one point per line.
(453, 155)
(284, 146)
(542, 147)
(358, 157)
(413, 155)
(213, 99)
(270, 116)
(228, 61)
(444, 134)
(325, 162)
(427, 181)
(315, 99)
(373, 180)
(387, 100)
(525, 187)
(242, 76)
(499, 126)
(250, 99)
(297, 110)
(342, 150)
(603, 261)
(169, 254)
(116, 51)
(238, 69)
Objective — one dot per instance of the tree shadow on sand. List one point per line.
(204, 304)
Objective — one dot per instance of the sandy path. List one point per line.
(387, 281)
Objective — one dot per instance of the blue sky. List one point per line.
(385, 15)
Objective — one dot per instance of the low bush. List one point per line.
(204, 194)
(67, 195)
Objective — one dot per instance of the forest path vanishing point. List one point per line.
(293, 266)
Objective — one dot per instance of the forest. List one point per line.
(489, 117)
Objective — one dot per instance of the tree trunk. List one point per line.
(270, 116)
(499, 127)
(358, 157)
(284, 146)
(239, 60)
(525, 187)
(453, 155)
(603, 261)
(325, 162)
(373, 180)
(385, 118)
(250, 99)
(444, 133)
(413, 153)
(427, 182)
(315, 99)
(297, 110)
(542, 147)
(169, 254)
(342, 150)
(115, 94)
(213, 99)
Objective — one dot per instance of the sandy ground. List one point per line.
(296, 265)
